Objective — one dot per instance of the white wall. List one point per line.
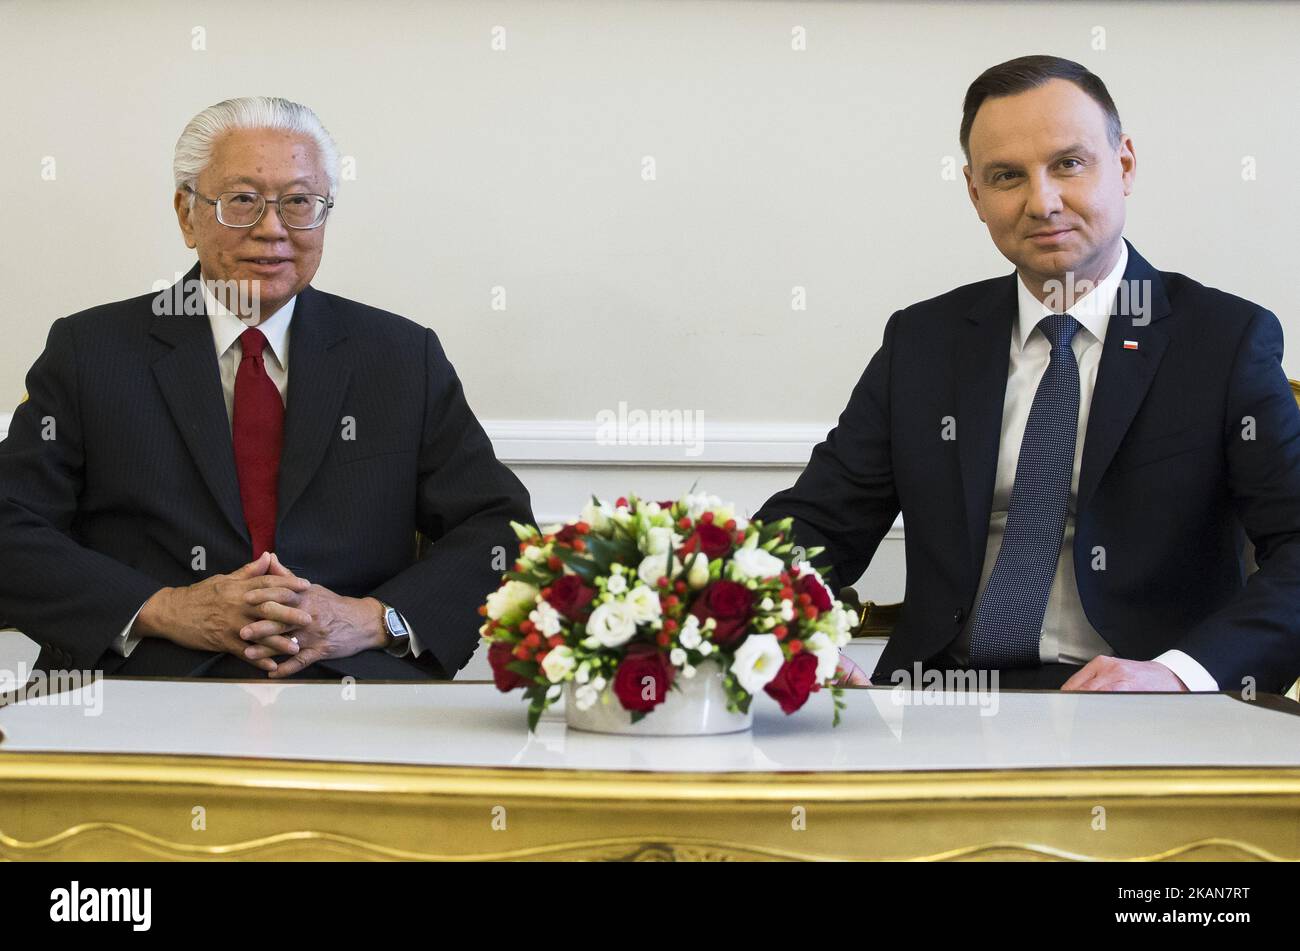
(522, 169)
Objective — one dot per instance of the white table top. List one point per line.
(471, 724)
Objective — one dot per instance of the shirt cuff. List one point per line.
(1189, 671)
(125, 642)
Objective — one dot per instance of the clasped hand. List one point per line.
(263, 611)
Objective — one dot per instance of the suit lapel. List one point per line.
(984, 344)
(318, 381)
(190, 381)
(1123, 375)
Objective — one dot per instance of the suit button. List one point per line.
(958, 616)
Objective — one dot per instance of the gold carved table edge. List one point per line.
(148, 807)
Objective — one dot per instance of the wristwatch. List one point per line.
(399, 643)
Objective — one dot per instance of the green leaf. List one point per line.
(536, 706)
(605, 552)
(582, 566)
(524, 668)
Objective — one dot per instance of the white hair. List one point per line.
(194, 147)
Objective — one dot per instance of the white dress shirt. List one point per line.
(1067, 637)
(226, 330)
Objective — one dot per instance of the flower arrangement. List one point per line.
(632, 596)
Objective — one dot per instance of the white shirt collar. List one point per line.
(1092, 311)
(226, 327)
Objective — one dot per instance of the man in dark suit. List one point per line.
(1076, 447)
(226, 478)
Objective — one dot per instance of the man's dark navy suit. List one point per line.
(1193, 435)
(138, 488)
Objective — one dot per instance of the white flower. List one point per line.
(689, 672)
(706, 648)
(599, 683)
(654, 567)
(844, 621)
(557, 664)
(612, 624)
(767, 604)
(827, 654)
(532, 553)
(690, 636)
(545, 617)
(658, 541)
(645, 604)
(677, 657)
(756, 563)
(553, 692)
(757, 661)
(583, 673)
(616, 584)
(585, 696)
(597, 516)
(698, 576)
(510, 600)
(698, 503)
(787, 610)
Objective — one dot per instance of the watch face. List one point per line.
(394, 622)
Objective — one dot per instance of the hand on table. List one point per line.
(335, 626)
(849, 674)
(208, 615)
(1117, 674)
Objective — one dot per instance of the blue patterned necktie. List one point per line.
(1009, 620)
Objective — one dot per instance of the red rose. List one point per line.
(708, 538)
(570, 596)
(794, 681)
(643, 678)
(730, 604)
(812, 586)
(500, 654)
(567, 534)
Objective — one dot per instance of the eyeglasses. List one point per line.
(302, 212)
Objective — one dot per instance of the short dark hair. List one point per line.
(1030, 72)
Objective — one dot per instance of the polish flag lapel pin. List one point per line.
(1130, 344)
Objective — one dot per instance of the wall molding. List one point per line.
(577, 442)
(568, 442)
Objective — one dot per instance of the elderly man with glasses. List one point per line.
(227, 478)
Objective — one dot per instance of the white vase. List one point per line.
(694, 707)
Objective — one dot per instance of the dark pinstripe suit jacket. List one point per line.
(138, 485)
(1170, 477)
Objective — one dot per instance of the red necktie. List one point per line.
(258, 427)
